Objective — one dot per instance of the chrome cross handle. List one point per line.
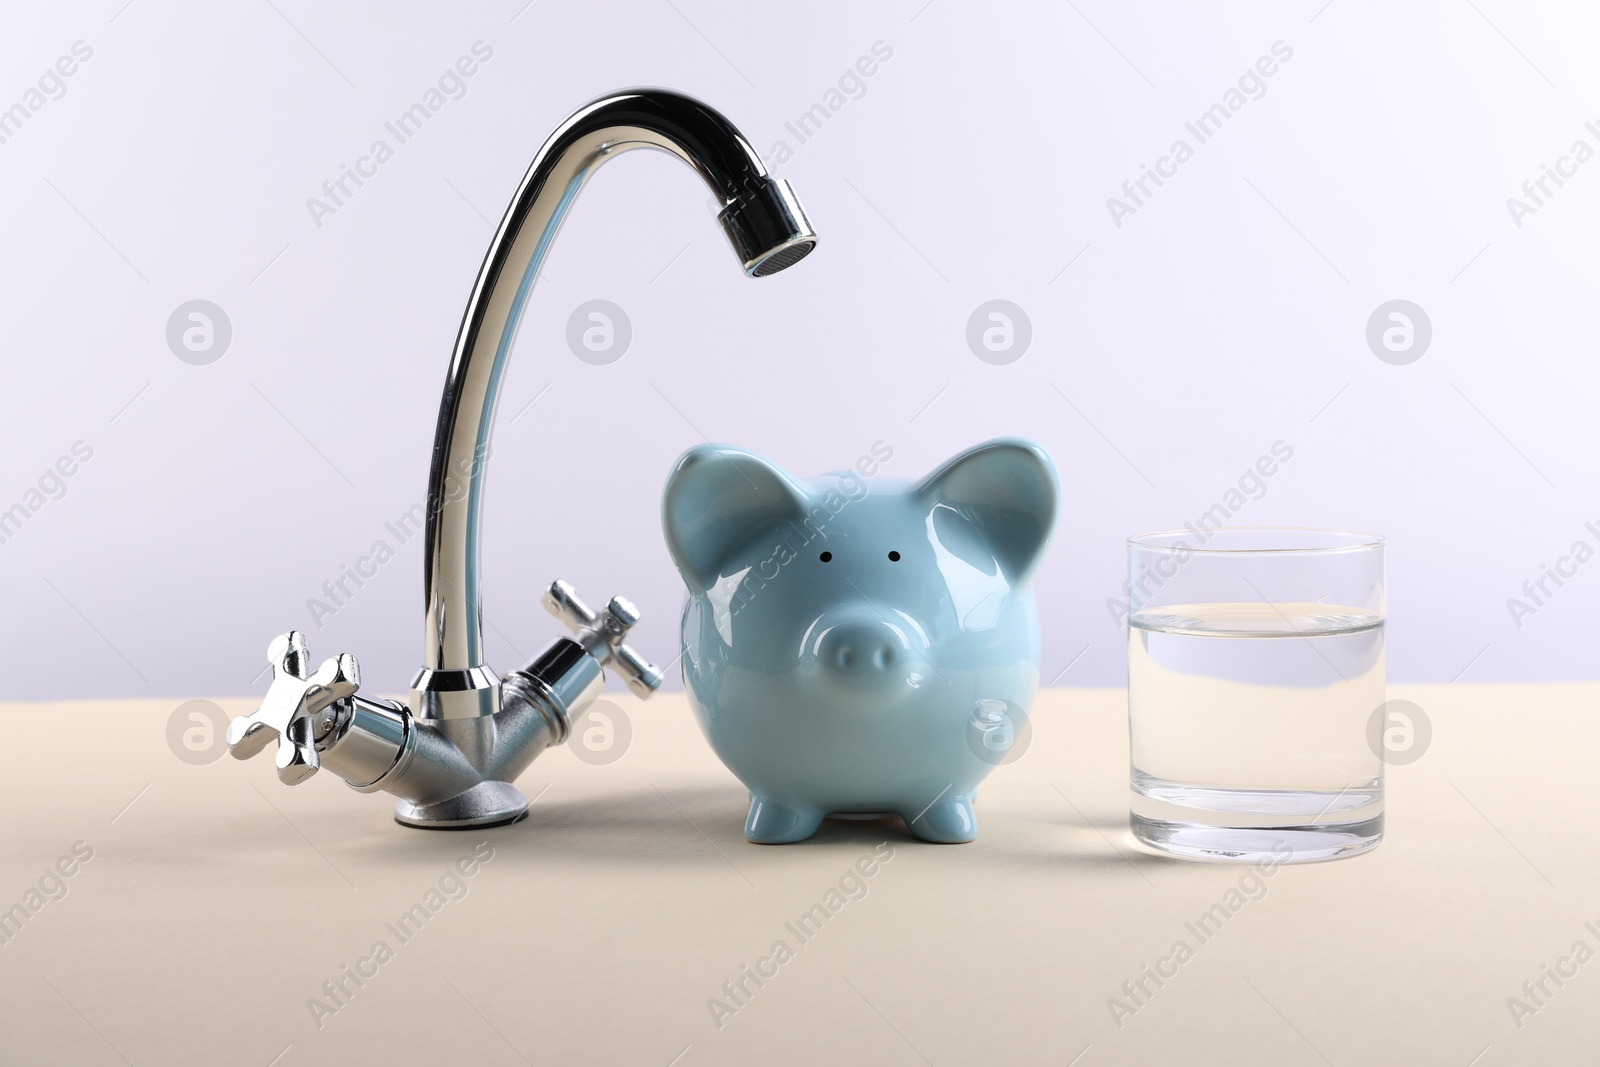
(292, 705)
(602, 635)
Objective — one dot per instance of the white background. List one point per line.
(1227, 314)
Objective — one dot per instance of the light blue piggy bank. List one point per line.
(853, 646)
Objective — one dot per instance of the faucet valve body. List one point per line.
(447, 772)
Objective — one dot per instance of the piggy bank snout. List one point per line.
(868, 651)
(862, 647)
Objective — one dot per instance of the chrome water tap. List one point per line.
(452, 755)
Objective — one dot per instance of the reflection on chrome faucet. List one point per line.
(452, 754)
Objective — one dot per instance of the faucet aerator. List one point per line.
(768, 229)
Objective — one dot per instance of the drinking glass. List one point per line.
(1255, 664)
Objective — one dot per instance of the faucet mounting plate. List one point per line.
(485, 804)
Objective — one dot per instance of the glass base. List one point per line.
(1254, 844)
(1254, 826)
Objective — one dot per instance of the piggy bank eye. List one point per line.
(894, 557)
(826, 556)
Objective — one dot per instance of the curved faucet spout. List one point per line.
(768, 231)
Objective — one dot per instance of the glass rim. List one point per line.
(1359, 541)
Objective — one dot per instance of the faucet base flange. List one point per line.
(485, 804)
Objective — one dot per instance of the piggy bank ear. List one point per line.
(716, 497)
(1007, 490)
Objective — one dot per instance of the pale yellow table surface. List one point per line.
(217, 902)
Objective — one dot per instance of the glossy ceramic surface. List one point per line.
(858, 645)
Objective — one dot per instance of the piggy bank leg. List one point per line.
(948, 822)
(772, 823)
